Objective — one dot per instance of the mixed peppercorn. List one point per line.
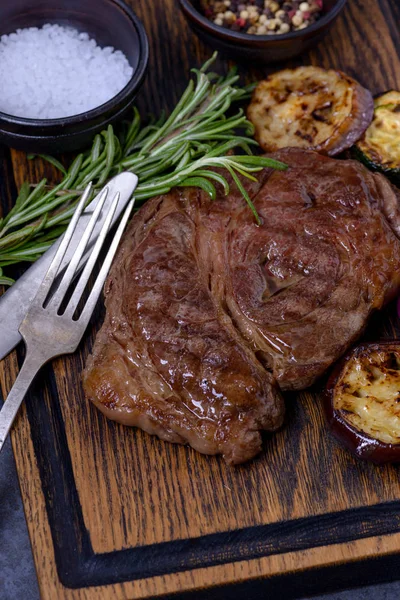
(263, 17)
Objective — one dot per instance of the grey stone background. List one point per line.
(17, 573)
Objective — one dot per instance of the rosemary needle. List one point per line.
(173, 151)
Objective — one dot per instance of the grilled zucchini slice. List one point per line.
(379, 148)
(363, 402)
(311, 108)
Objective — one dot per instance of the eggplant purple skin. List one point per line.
(361, 120)
(360, 445)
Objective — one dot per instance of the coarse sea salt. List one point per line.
(56, 71)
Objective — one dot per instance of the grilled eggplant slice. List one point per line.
(362, 402)
(379, 148)
(311, 108)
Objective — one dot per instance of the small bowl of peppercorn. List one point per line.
(261, 30)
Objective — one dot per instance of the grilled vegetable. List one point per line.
(312, 108)
(363, 402)
(379, 148)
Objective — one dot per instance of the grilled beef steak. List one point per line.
(206, 310)
(168, 359)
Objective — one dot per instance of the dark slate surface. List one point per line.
(17, 573)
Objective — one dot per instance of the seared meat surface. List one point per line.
(168, 359)
(328, 254)
(205, 310)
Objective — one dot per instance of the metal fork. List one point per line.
(51, 329)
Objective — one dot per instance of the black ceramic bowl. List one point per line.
(110, 23)
(260, 48)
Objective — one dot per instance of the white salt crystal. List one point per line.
(56, 72)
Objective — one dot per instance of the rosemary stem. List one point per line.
(190, 147)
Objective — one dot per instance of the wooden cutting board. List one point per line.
(114, 513)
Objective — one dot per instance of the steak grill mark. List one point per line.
(199, 295)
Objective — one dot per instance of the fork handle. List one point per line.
(18, 392)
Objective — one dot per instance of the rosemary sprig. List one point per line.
(178, 150)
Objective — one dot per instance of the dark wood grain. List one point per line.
(115, 513)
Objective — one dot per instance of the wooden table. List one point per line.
(116, 514)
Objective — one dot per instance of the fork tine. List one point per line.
(79, 252)
(87, 271)
(84, 277)
(99, 283)
(58, 258)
